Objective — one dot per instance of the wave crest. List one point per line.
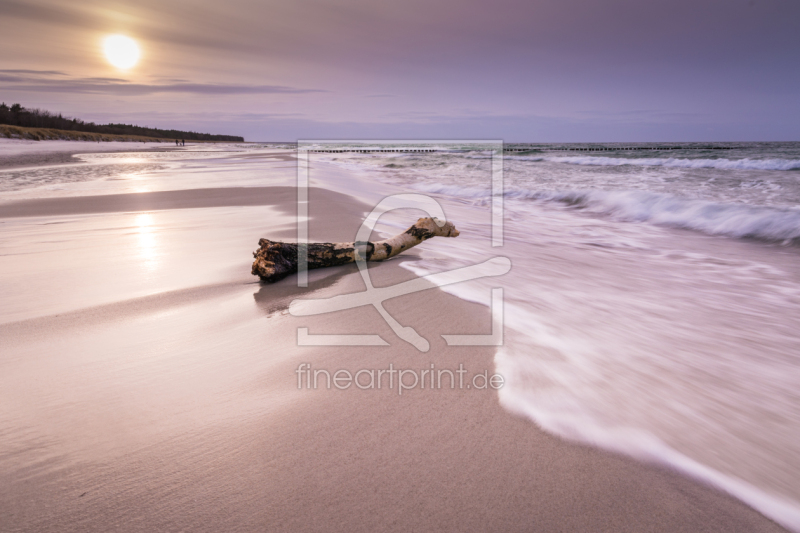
(733, 220)
(724, 164)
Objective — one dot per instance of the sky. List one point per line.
(513, 70)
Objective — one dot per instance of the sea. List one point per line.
(652, 308)
(653, 304)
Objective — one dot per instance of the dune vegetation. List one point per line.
(39, 124)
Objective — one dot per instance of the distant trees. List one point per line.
(16, 115)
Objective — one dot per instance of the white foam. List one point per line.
(723, 164)
(569, 419)
(613, 347)
(642, 446)
(733, 220)
(454, 190)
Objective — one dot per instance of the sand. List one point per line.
(151, 201)
(147, 405)
(16, 153)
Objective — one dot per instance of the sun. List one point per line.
(121, 51)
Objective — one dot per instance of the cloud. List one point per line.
(642, 114)
(28, 71)
(122, 87)
(15, 75)
(510, 128)
(621, 68)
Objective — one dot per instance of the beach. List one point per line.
(149, 382)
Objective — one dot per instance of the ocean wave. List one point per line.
(639, 444)
(733, 220)
(723, 164)
(454, 190)
(566, 416)
(525, 158)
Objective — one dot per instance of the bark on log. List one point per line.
(276, 260)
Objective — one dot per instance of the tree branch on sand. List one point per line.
(276, 260)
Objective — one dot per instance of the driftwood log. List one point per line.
(276, 260)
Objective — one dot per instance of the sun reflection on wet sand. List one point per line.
(147, 239)
(133, 160)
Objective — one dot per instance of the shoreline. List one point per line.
(213, 434)
(17, 154)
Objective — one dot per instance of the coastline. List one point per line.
(206, 429)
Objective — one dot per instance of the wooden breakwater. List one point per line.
(616, 148)
(515, 149)
(373, 150)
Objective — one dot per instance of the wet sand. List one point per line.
(151, 201)
(179, 409)
(16, 153)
